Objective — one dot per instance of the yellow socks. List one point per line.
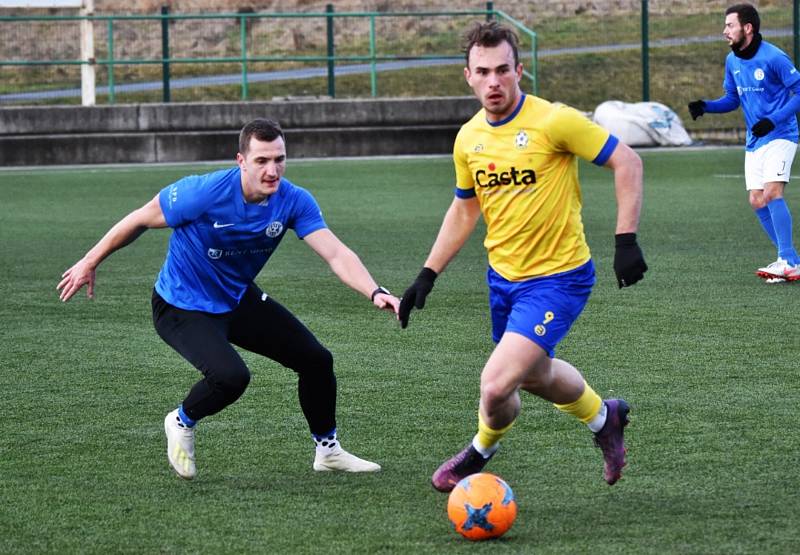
(587, 408)
(486, 440)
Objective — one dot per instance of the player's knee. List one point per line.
(316, 359)
(772, 193)
(234, 381)
(757, 200)
(494, 394)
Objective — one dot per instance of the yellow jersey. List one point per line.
(524, 172)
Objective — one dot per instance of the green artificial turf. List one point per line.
(705, 353)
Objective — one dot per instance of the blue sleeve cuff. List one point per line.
(465, 193)
(164, 203)
(305, 232)
(606, 151)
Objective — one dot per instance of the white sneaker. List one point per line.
(344, 461)
(180, 446)
(773, 270)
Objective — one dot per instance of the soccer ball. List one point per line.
(482, 506)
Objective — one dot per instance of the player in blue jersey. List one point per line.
(516, 165)
(226, 225)
(762, 79)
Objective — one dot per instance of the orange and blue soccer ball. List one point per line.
(481, 507)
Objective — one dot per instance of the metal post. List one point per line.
(373, 74)
(88, 78)
(796, 33)
(243, 50)
(645, 53)
(165, 52)
(489, 11)
(331, 72)
(111, 96)
(535, 64)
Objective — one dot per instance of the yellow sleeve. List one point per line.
(464, 178)
(571, 131)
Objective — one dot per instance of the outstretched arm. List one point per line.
(123, 233)
(458, 224)
(725, 103)
(348, 267)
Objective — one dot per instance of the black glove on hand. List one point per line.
(629, 264)
(415, 295)
(762, 127)
(697, 108)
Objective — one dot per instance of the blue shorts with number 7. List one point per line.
(542, 309)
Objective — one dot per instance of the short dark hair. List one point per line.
(746, 14)
(490, 33)
(262, 129)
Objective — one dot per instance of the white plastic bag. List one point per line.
(642, 123)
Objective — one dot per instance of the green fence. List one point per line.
(670, 52)
(202, 51)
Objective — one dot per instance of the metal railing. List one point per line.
(246, 58)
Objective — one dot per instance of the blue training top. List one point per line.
(764, 85)
(220, 242)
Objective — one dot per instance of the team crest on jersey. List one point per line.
(215, 254)
(521, 140)
(477, 148)
(274, 229)
(758, 74)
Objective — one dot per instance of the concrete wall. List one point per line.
(209, 131)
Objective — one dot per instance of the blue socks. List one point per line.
(782, 227)
(185, 419)
(766, 222)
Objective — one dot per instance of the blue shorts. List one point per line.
(542, 309)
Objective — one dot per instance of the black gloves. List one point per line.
(697, 108)
(415, 295)
(762, 127)
(629, 264)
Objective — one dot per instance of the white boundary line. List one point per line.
(295, 161)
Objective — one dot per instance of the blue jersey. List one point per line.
(767, 86)
(220, 242)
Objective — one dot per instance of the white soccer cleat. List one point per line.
(774, 269)
(773, 280)
(343, 461)
(180, 446)
(792, 273)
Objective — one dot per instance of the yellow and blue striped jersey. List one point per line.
(524, 172)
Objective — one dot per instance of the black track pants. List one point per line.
(260, 325)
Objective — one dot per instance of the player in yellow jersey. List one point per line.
(516, 163)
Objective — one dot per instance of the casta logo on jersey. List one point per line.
(758, 74)
(490, 177)
(274, 229)
(215, 254)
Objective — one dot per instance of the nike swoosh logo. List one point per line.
(218, 225)
(735, 72)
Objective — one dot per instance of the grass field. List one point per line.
(705, 353)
